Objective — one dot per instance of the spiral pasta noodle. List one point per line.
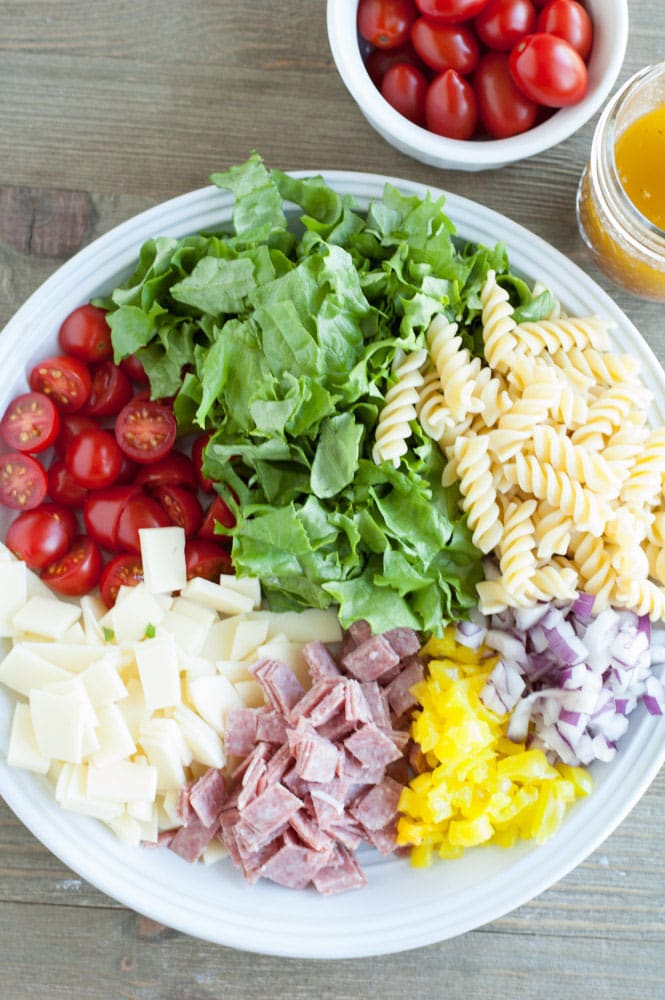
(476, 487)
(393, 426)
(432, 410)
(576, 461)
(498, 323)
(603, 367)
(543, 481)
(456, 368)
(552, 335)
(517, 560)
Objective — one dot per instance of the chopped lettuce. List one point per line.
(279, 336)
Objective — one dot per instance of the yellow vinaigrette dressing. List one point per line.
(639, 155)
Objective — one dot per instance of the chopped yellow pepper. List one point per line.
(480, 787)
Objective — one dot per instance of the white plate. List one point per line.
(402, 907)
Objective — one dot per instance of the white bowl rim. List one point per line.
(448, 152)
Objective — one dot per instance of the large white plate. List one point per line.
(402, 907)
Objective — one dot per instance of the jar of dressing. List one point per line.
(621, 195)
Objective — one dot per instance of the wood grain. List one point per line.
(106, 109)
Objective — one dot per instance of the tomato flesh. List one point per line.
(30, 423)
(63, 488)
(503, 109)
(85, 334)
(122, 571)
(218, 511)
(568, 19)
(101, 513)
(502, 23)
(450, 11)
(198, 455)
(77, 571)
(23, 481)
(175, 469)
(447, 46)
(65, 380)
(94, 459)
(146, 431)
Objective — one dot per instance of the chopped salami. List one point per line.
(270, 726)
(282, 687)
(208, 795)
(371, 659)
(372, 746)
(190, 841)
(385, 840)
(311, 699)
(294, 866)
(269, 810)
(398, 692)
(404, 641)
(310, 832)
(378, 807)
(320, 661)
(356, 709)
(316, 758)
(183, 806)
(360, 631)
(324, 711)
(341, 874)
(240, 733)
(378, 704)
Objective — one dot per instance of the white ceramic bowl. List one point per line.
(402, 907)
(610, 20)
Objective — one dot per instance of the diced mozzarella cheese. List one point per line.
(103, 683)
(115, 739)
(70, 656)
(188, 633)
(247, 636)
(13, 593)
(200, 612)
(60, 722)
(158, 669)
(163, 558)
(133, 707)
(160, 740)
(128, 619)
(22, 670)
(169, 806)
(202, 740)
(251, 693)
(74, 635)
(219, 641)
(305, 626)
(234, 670)
(214, 852)
(195, 666)
(212, 697)
(250, 586)
(124, 782)
(23, 749)
(46, 616)
(223, 599)
(126, 829)
(75, 795)
(93, 610)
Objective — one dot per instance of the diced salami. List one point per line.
(276, 767)
(240, 731)
(360, 631)
(190, 841)
(310, 832)
(282, 687)
(358, 773)
(326, 708)
(378, 703)
(294, 866)
(385, 840)
(251, 860)
(404, 641)
(208, 795)
(348, 832)
(371, 659)
(183, 806)
(251, 779)
(398, 692)
(341, 874)
(378, 807)
(320, 661)
(372, 746)
(356, 709)
(337, 727)
(269, 810)
(311, 699)
(270, 727)
(316, 758)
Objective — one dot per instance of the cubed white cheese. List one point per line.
(75, 796)
(124, 781)
(74, 635)
(93, 610)
(250, 586)
(168, 805)
(212, 697)
(160, 739)
(188, 633)
(223, 599)
(158, 669)
(251, 693)
(115, 740)
(127, 829)
(305, 626)
(103, 683)
(202, 740)
(205, 615)
(130, 618)
(60, 722)
(46, 616)
(195, 666)
(219, 641)
(22, 670)
(13, 594)
(163, 558)
(249, 634)
(234, 670)
(23, 749)
(133, 707)
(72, 657)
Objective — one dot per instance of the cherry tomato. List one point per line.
(94, 459)
(77, 571)
(63, 488)
(404, 87)
(101, 513)
(568, 19)
(122, 571)
(379, 61)
(206, 559)
(450, 11)
(134, 369)
(217, 511)
(140, 511)
(145, 431)
(503, 108)
(502, 23)
(86, 335)
(548, 70)
(445, 46)
(23, 481)
(198, 448)
(65, 380)
(451, 108)
(110, 390)
(70, 425)
(31, 422)
(386, 23)
(128, 471)
(182, 507)
(40, 536)
(175, 469)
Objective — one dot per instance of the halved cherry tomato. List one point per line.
(94, 459)
(182, 507)
(217, 511)
(30, 423)
(451, 108)
(502, 23)
(63, 488)
(198, 448)
(72, 424)
(110, 390)
(175, 469)
(86, 335)
(207, 559)
(145, 431)
(386, 23)
(134, 369)
(23, 481)
(65, 380)
(77, 571)
(122, 571)
(548, 70)
(128, 471)
(42, 535)
(101, 513)
(568, 19)
(379, 61)
(404, 87)
(140, 511)
(445, 46)
(450, 11)
(503, 109)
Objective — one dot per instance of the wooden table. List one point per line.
(106, 109)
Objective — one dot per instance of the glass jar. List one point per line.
(625, 245)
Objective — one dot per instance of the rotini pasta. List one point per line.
(552, 335)
(393, 426)
(543, 481)
(498, 324)
(432, 411)
(476, 487)
(585, 466)
(456, 368)
(517, 560)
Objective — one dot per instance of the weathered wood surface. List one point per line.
(106, 109)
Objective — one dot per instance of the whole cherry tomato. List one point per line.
(140, 511)
(86, 335)
(445, 46)
(450, 11)
(503, 108)
(65, 380)
(379, 61)
(72, 424)
(404, 87)
(134, 369)
(63, 488)
(386, 23)
(548, 70)
(568, 19)
(110, 390)
(94, 459)
(23, 481)
(451, 108)
(77, 571)
(42, 535)
(502, 23)
(145, 430)
(31, 422)
(121, 571)
(175, 469)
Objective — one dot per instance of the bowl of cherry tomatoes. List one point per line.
(477, 84)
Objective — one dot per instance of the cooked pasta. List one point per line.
(644, 597)
(597, 573)
(517, 560)
(476, 487)
(608, 412)
(553, 531)
(603, 367)
(543, 481)
(456, 368)
(498, 324)
(432, 410)
(552, 335)
(393, 426)
(588, 467)
(644, 483)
